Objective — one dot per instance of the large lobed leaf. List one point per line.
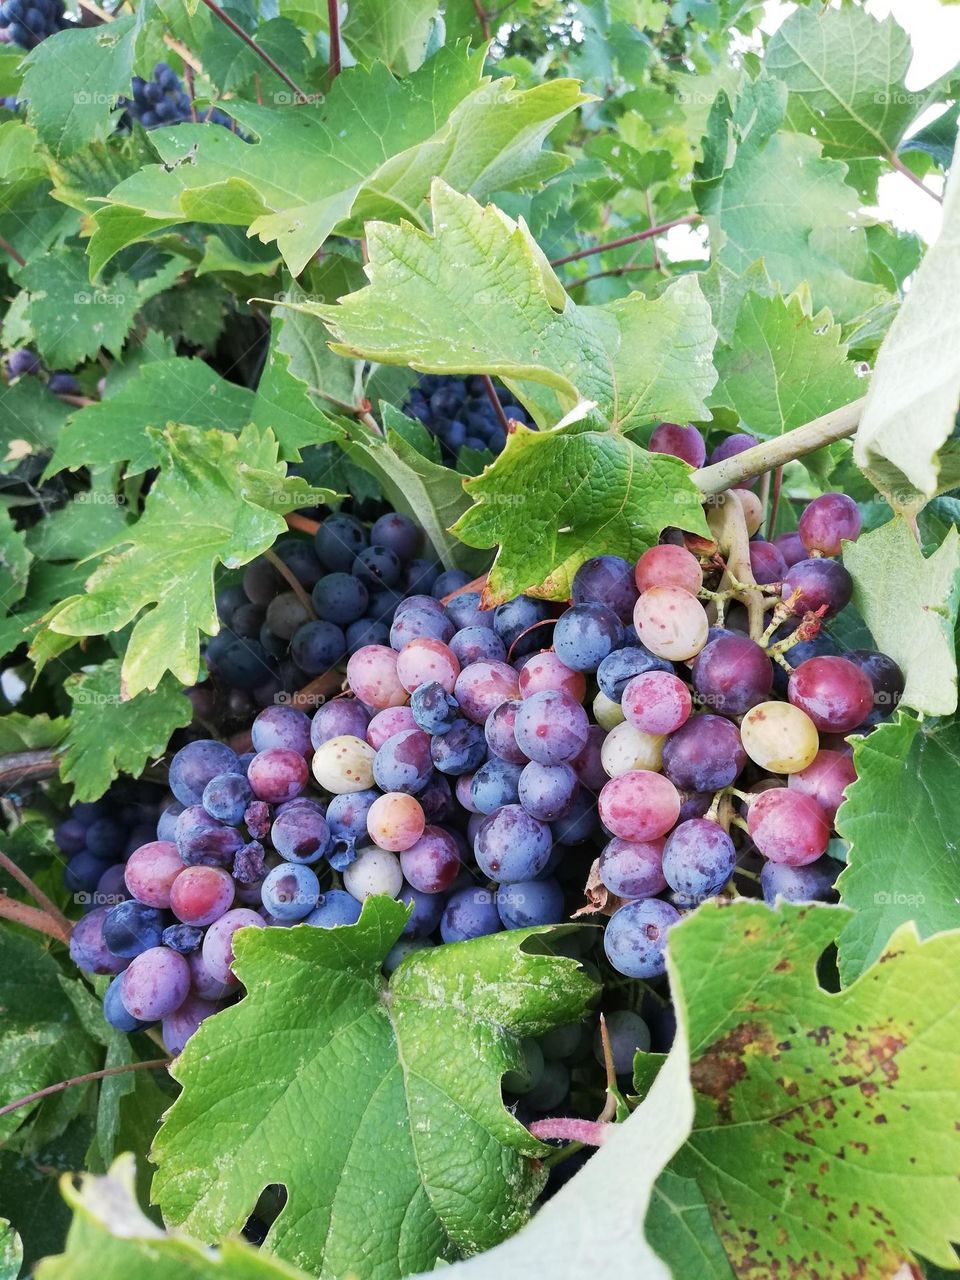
(385, 1098)
(371, 148)
(219, 499)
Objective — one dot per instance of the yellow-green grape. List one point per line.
(752, 509)
(671, 623)
(626, 748)
(607, 713)
(344, 764)
(779, 737)
(373, 871)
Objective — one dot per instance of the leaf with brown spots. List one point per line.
(825, 1141)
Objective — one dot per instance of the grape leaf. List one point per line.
(783, 367)
(845, 72)
(773, 195)
(478, 296)
(370, 148)
(42, 1039)
(218, 499)
(554, 498)
(893, 581)
(109, 735)
(901, 818)
(15, 560)
(19, 732)
(11, 1251)
(93, 518)
(182, 389)
(421, 1135)
(283, 402)
(911, 406)
(678, 1227)
(110, 1238)
(73, 80)
(21, 166)
(30, 1192)
(47, 585)
(938, 138)
(398, 35)
(822, 1142)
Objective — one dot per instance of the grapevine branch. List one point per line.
(832, 426)
(494, 399)
(908, 173)
(11, 252)
(333, 22)
(292, 581)
(252, 44)
(31, 918)
(632, 239)
(153, 1065)
(27, 766)
(40, 898)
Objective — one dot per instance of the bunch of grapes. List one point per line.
(162, 100)
(459, 413)
(96, 839)
(21, 362)
(28, 22)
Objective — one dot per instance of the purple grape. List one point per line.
(182, 937)
(399, 533)
(179, 1026)
(434, 710)
(551, 727)
(427, 910)
(318, 646)
(518, 616)
(791, 548)
(347, 814)
(404, 762)
(338, 541)
(527, 903)
(433, 863)
(546, 791)
(249, 865)
(635, 938)
(495, 784)
(828, 521)
(767, 563)
(609, 581)
(477, 644)
(465, 610)
(730, 447)
(115, 1013)
(217, 951)
(282, 726)
(341, 717)
(70, 837)
(698, 859)
(633, 868)
(156, 982)
(131, 927)
(499, 732)
(585, 635)
(810, 585)
(290, 891)
(731, 674)
(448, 582)
(227, 796)
(811, 883)
(436, 799)
(469, 913)
(300, 835)
(704, 754)
(334, 908)
(203, 841)
(511, 845)
(460, 750)
(277, 775)
(340, 598)
(885, 676)
(681, 442)
(426, 621)
(580, 822)
(195, 764)
(88, 946)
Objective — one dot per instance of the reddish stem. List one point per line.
(333, 22)
(494, 399)
(252, 44)
(31, 918)
(774, 501)
(483, 18)
(292, 581)
(592, 1133)
(477, 584)
(153, 1065)
(8, 248)
(303, 523)
(618, 244)
(40, 898)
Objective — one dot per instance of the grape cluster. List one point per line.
(21, 362)
(476, 761)
(96, 839)
(28, 22)
(459, 413)
(162, 100)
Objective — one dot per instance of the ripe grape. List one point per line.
(527, 903)
(635, 938)
(318, 646)
(767, 563)
(836, 694)
(658, 702)
(395, 821)
(300, 833)
(628, 748)
(341, 717)
(579, 823)
(545, 791)
(335, 907)
(388, 722)
(628, 1035)
(156, 982)
(730, 447)
(828, 521)
(499, 733)
(825, 780)
(811, 585)
(606, 580)
(633, 868)
(551, 727)
(779, 738)
(202, 980)
(588, 765)
(372, 675)
(344, 764)
(698, 859)
(493, 785)
(340, 598)
(374, 871)
(482, 686)
(277, 774)
(281, 726)
(399, 533)
(433, 862)
(614, 672)
(545, 671)
(477, 644)
(461, 749)
(227, 796)
(433, 709)
(811, 883)
(290, 891)
(114, 1011)
(465, 610)
(426, 913)
(512, 845)
(449, 581)
(787, 826)
(200, 895)
(671, 623)
(427, 661)
(639, 805)
(195, 764)
(516, 616)
(151, 870)
(179, 1026)
(681, 442)
(339, 540)
(404, 762)
(585, 634)
(131, 927)
(704, 754)
(89, 950)
(668, 566)
(420, 618)
(469, 913)
(885, 676)
(791, 548)
(285, 615)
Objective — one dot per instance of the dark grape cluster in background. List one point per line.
(460, 414)
(21, 362)
(28, 22)
(163, 100)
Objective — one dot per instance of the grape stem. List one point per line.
(610, 1106)
(252, 44)
(31, 918)
(292, 581)
(333, 22)
(833, 426)
(153, 1065)
(11, 252)
(729, 528)
(618, 244)
(19, 767)
(494, 399)
(585, 1133)
(36, 893)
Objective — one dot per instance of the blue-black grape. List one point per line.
(586, 634)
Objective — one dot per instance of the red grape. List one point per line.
(657, 702)
(835, 694)
(787, 826)
(151, 870)
(828, 521)
(639, 805)
(825, 779)
(685, 443)
(669, 566)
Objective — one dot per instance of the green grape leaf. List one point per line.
(31, 420)
(92, 519)
(71, 319)
(938, 138)
(231, 64)
(47, 585)
(421, 1134)
(42, 1039)
(825, 1139)
(678, 1227)
(110, 1238)
(22, 167)
(118, 429)
(19, 732)
(219, 498)
(30, 1182)
(773, 195)
(284, 403)
(15, 560)
(399, 35)
(903, 862)
(370, 148)
(911, 406)
(109, 734)
(73, 80)
(783, 367)
(845, 73)
(478, 296)
(554, 498)
(11, 1251)
(893, 581)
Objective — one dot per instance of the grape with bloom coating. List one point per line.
(372, 675)
(671, 622)
(828, 521)
(498, 730)
(825, 779)
(156, 983)
(606, 580)
(427, 661)
(200, 895)
(512, 845)
(704, 754)
(639, 805)
(635, 939)
(779, 738)
(482, 686)
(633, 868)
(811, 585)
(151, 871)
(374, 871)
(277, 774)
(627, 747)
(669, 566)
(387, 722)
(788, 827)
(836, 694)
(681, 442)
(551, 727)
(546, 791)
(698, 859)
(290, 891)
(338, 718)
(586, 634)
(656, 702)
(395, 821)
(344, 764)
(731, 674)
(546, 671)
(433, 863)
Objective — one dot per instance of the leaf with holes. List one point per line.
(421, 1137)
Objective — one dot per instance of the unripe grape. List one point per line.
(372, 675)
(344, 765)
(779, 737)
(640, 805)
(607, 713)
(656, 702)
(627, 748)
(752, 509)
(424, 661)
(395, 821)
(374, 871)
(669, 566)
(671, 623)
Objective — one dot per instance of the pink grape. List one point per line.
(828, 521)
(482, 686)
(669, 566)
(835, 694)
(387, 722)
(656, 702)
(633, 868)
(424, 661)
(218, 941)
(156, 982)
(463, 792)
(395, 821)
(433, 863)
(201, 895)
(825, 779)
(681, 442)
(671, 623)
(372, 675)
(151, 870)
(588, 765)
(788, 827)
(639, 805)
(499, 731)
(277, 774)
(551, 727)
(202, 981)
(546, 671)
(791, 548)
(179, 1026)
